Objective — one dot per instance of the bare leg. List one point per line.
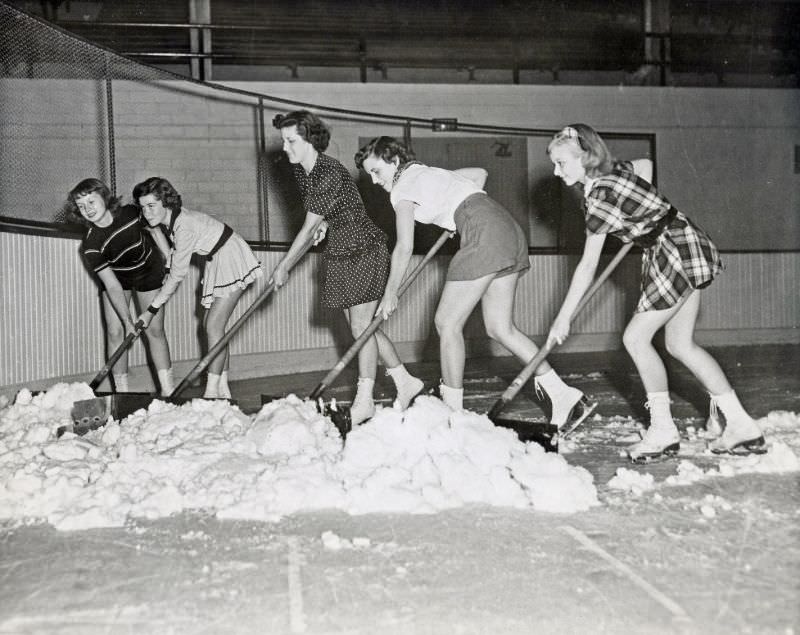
(567, 404)
(458, 299)
(638, 341)
(156, 338)
(679, 339)
(359, 317)
(215, 321)
(363, 406)
(386, 350)
(662, 437)
(497, 307)
(115, 333)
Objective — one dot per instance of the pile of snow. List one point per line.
(285, 459)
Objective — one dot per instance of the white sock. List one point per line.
(453, 397)
(166, 381)
(407, 385)
(224, 389)
(363, 406)
(121, 382)
(212, 386)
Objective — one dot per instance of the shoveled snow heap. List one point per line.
(287, 458)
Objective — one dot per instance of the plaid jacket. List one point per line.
(681, 257)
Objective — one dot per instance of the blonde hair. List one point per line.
(596, 158)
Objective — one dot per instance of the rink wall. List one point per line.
(52, 329)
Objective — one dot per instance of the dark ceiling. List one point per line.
(649, 42)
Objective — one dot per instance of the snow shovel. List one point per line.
(90, 414)
(545, 434)
(340, 415)
(124, 346)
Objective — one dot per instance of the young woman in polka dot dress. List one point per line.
(356, 257)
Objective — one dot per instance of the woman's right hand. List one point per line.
(387, 306)
(559, 332)
(321, 232)
(280, 276)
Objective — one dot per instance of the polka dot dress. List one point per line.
(355, 255)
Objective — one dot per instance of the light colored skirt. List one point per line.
(233, 267)
(491, 241)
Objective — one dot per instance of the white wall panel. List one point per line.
(50, 322)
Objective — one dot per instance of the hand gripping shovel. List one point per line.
(545, 434)
(338, 414)
(91, 414)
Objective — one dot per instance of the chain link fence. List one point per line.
(70, 110)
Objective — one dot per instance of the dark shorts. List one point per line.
(150, 280)
(492, 241)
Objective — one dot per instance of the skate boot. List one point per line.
(741, 435)
(121, 382)
(662, 437)
(568, 406)
(452, 397)
(713, 423)
(408, 386)
(166, 381)
(224, 389)
(363, 407)
(212, 386)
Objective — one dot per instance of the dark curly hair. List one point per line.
(386, 148)
(309, 127)
(161, 189)
(84, 188)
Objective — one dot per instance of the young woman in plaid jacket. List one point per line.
(678, 261)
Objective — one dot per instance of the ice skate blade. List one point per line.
(655, 455)
(743, 448)
(584, 409)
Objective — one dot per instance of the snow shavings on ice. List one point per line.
(781, 430)
(207, 455)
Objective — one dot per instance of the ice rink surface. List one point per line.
(696, 544)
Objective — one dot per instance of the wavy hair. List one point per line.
(309, 127)
(386, 148)
(161, 189)
(596, 158)
(84, 188)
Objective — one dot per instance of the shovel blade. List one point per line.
(265, 399)
(338, 414)
(90, 414)
(543, 433)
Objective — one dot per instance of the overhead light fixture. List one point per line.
(444, 125)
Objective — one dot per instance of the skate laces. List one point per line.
(537, 386)
(713, 408)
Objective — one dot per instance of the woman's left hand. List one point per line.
(279, 276)
(387, 306)
(145, 318)
(558, 332)
(321, 232)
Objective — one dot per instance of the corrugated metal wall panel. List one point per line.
(50, 322)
